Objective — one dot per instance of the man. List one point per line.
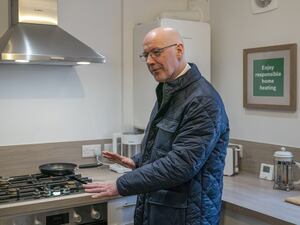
(179, 174)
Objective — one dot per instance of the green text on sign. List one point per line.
(268, 77)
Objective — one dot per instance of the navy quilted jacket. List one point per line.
(179, 174)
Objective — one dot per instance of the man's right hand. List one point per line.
(124, 161)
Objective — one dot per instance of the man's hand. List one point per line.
(101, 189)
(124, 161)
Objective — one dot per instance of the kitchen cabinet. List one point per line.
(120, 211)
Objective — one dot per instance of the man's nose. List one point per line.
(150, 59)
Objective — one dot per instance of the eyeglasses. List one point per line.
(154, 53)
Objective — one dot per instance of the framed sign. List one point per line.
(270, 77)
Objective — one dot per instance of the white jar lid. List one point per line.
(283, 154)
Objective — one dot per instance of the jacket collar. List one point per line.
(164, 91)
(183, 81)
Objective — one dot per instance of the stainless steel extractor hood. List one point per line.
(35, 38)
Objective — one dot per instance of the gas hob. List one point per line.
(24, 188)
(37, 186)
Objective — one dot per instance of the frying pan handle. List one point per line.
(92, 165)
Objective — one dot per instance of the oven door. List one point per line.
(81, 215)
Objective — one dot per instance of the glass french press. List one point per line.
(284, 170)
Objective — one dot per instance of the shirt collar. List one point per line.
(186, 68)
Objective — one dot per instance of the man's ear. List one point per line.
(180, 50)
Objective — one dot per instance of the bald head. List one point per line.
(163, 36)
(164, 53)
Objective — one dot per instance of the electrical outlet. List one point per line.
(90, 150)
(108, 147)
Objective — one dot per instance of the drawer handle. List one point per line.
(126, 204)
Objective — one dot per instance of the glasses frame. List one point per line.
(154, 53)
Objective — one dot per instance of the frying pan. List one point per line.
(60, 169)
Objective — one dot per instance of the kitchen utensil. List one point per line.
(61, 169)
(127, 144)
(294, 200)
(284, 170)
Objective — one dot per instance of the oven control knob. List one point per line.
(76, 217)
(95, 214)
(36, 221)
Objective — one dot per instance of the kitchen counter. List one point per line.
(249, 192)
(243, 190)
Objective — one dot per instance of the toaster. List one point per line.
(232, 159)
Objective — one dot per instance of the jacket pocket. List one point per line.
(168, 125)
(165, 135)
(167, 207)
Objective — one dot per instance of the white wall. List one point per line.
(51, 103)
(235, 28)
(42, 104)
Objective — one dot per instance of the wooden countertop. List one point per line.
(248, 191)
(243, 190)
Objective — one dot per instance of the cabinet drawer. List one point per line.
(121, 211)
